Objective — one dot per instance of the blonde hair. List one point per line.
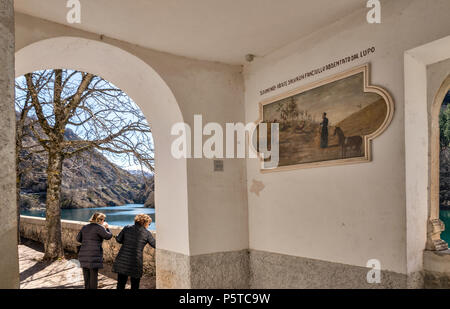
(142, 219)
(97, 217)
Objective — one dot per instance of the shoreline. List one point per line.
(42, 208)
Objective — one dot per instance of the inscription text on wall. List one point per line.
(332, 65)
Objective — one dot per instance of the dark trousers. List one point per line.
(122, 281)
(90, 278)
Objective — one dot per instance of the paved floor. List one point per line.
(63, 274)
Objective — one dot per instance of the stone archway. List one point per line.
(435, 225)
(420, 94)
(156, 100)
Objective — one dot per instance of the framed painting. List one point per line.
(329, 122)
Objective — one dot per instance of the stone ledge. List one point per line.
(442, 253)
(68, 224)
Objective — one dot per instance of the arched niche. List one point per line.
(435, 225)
(156, 100)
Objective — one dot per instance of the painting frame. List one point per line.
(367, 88)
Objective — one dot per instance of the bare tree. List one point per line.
(101, 115)
(21, 131)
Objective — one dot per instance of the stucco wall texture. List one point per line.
(9, 264)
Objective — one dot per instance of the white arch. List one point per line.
(144, 85)
(417, 149)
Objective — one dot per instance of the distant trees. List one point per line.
(103, 117)
(444, 127)
(288, 113)
(291, 117)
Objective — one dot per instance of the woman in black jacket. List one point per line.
(90, 255)
(129, 260)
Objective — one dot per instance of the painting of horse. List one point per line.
(347, 144)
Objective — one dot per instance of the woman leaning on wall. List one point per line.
(90, 255)
(129, 260)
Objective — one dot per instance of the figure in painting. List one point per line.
(324, 132)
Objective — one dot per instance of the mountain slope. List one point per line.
(89, 181)
(366, 121)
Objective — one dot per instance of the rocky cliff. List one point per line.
(88, 181)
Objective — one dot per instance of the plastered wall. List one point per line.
(345, 214)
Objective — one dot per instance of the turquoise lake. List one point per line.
(445, 217)
(117, 215)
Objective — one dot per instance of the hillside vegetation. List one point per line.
(88, 181)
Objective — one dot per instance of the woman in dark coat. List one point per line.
(90, 255)
(129, 260)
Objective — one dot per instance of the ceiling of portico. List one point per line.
(215, 30)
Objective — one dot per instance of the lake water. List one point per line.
(445, 217)
(117, 215)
